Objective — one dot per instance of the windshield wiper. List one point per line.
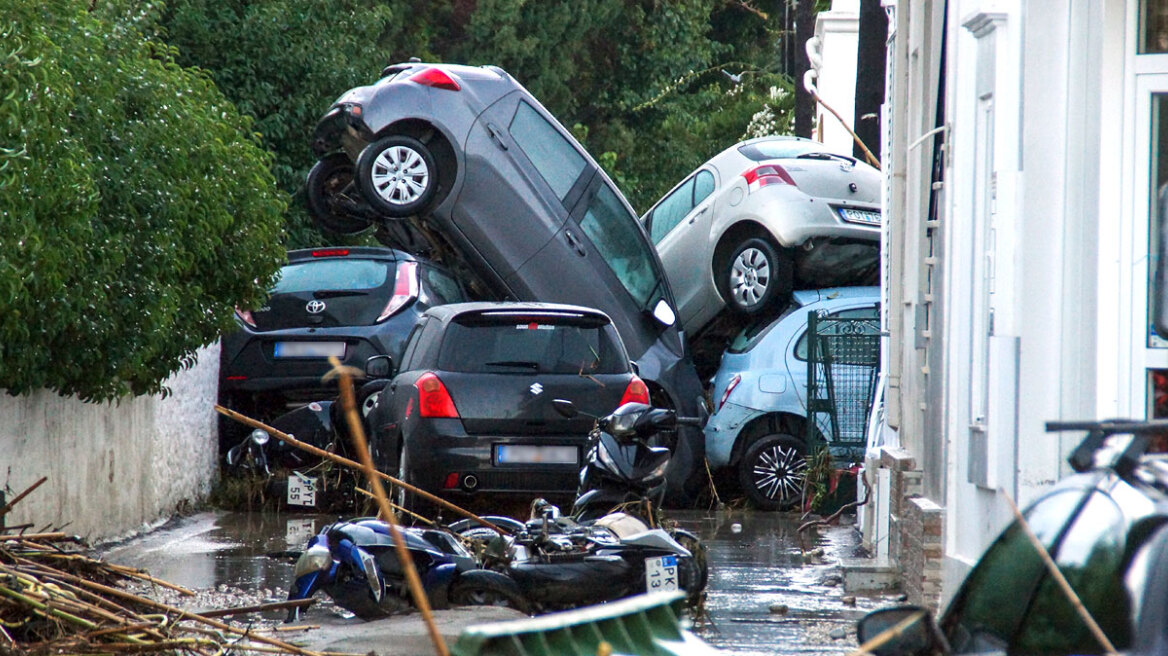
(527, 364)
(822, 155)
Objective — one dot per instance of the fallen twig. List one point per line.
(16, 500)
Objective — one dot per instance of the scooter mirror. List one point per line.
(260, 436)
(566, 408)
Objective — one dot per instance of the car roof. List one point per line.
(367, 252)
(448, 312)
(805, 297)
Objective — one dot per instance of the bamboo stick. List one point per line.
(888, 634)
(1061, 580)
(398, 508)
(8, 506)
(43, 537)
(139, 574)
(243, 610)
(356, 431)
(288, 439)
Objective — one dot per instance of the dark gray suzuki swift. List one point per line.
(470, 411)
(461, 164)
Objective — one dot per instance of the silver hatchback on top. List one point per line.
(762, 218)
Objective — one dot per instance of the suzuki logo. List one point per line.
(536, 388)
(315, 307)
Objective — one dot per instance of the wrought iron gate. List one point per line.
(843, 363)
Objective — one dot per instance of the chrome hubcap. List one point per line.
(749, 277)
(400, 175)
(779, 472)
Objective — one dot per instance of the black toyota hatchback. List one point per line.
(470, 410)
(351, 302)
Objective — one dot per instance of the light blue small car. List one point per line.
(760, 396)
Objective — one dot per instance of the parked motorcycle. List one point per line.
(356, 564)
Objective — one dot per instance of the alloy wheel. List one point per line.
(750, 274)
(779, 472)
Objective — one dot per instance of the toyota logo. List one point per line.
(315, 307)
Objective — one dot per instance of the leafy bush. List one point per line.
(135, 205)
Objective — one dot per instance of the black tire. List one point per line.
(756, 276)
(772, 471)
(331, 195)
(397, 175)
(481, 587)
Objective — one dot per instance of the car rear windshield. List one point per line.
(520, 345)
(781, 149)
(333, 274)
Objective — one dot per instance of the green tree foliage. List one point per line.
(136, 207)
(641, 81)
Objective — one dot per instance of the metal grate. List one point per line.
(843, 360)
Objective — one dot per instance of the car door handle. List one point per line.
(496, 136)
(574, 243)
(697, 214)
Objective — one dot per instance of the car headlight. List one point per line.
(316, 559)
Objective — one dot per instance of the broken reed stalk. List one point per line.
(41, 537)
(139, 574)
(16, 500)
(357, 432)
(1061, 580)
(259, 608)
(292, 441)
(884, 636)
(398, 508)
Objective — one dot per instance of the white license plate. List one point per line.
(526, 454)
(852, 215)
(661, 574)
(301, 490)
(309, 349)
(297, 531)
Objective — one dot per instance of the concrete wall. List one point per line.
(113, 467)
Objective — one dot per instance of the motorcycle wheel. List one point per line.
(397, 175)
(698, 572)
(480, 587)
(330, 183)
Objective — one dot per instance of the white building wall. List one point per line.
(837, 31)
(111, 467)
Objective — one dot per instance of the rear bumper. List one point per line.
(443, 448)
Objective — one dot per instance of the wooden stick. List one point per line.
(855, 137)
(288, 439)
(1057, 574)
(243, 610)
(356, 431)
(398, 508)
(888, 634)
(41, 537)
(8, 506)
(139, 574)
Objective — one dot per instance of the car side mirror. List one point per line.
(379, 366)
(664, 313)
(904, 631)
(566, 408)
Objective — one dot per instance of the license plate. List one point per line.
(309, 349)
(526, 454)
(301, 490)
(661, 574)
(853, 215)
(297, 532)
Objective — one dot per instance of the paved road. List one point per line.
(765, 596)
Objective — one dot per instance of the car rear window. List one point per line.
(333, 274)
(782, 149)
(523, 345)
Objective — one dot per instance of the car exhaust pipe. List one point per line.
(470, 481)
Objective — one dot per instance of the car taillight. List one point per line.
(330, 252)
(729, 388)
(636, 392)
(405, 289)
(435, 77)
(245, 316)
(767, 174)
(433, 399)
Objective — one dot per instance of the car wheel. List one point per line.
(756, 277)
(480, 587)
(773, 470)
(397, 175)
(330, 191)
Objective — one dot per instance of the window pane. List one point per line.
(523, 348)
(671, 211)
(1157, 223)
(332, 274)
(704, 186)
(614, 232)
(553, 155)
(1153, 26)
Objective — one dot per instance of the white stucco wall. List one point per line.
(111, 467)
(838, 34)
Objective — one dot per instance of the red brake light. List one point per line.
(435, 77)
(636, 392)
(405, 289)
(767, 174)
(433, 399)
(331, 252)
(245, 316)
(729, 388)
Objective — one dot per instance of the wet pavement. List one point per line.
(766, 595)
